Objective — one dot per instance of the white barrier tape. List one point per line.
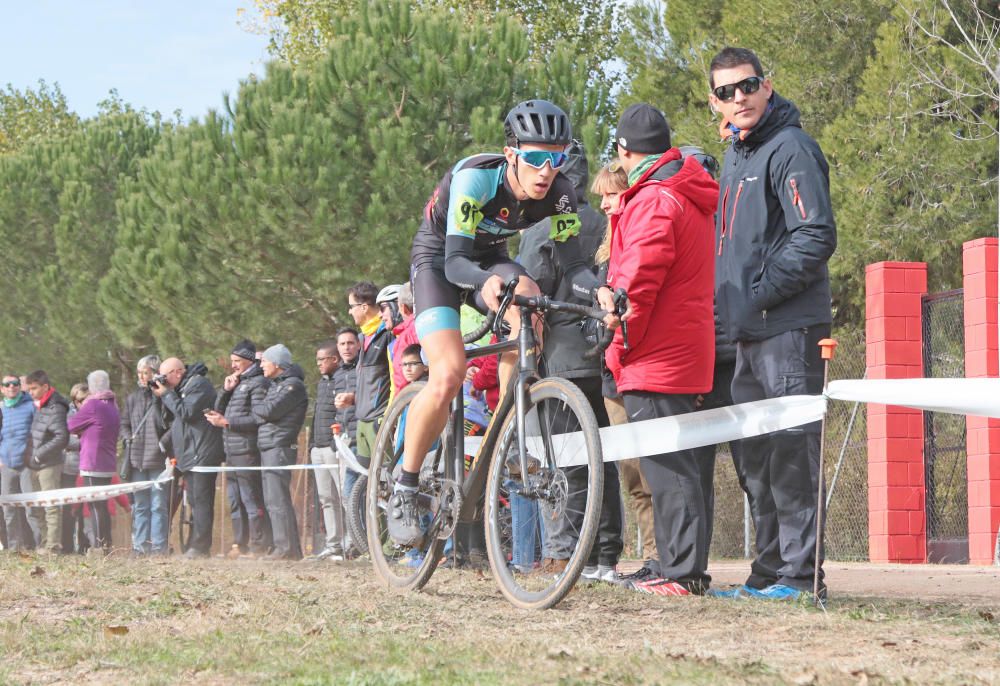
(82, 494)
(683, 432)
(978, 397)
(347, 455)
(277, 468)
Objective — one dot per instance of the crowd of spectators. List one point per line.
(749, 333)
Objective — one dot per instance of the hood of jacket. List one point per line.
(780, 114)
(293, 372)
(683, 174)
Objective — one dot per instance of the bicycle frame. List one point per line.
(474, 486)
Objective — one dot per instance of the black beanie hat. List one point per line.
(245, 349)
(643, 129)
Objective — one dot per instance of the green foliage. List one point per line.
(255, 223)
(908, 124)
(32, 115)
(57, 216)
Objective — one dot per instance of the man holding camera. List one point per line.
(187, 395)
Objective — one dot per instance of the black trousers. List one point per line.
(780, 471)
(278, 501)
(677, 484)
(201, 496)
(245, 492)
(610, 529)
(74, 540)
(100, 516)
(720, 396)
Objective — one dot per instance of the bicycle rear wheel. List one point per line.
(404, 567)
(552, 513)
(356, 505)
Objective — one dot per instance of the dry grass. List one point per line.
(247, 622)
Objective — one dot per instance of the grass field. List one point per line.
(117, 620)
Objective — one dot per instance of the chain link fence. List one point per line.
(846, 460)
(945, 457)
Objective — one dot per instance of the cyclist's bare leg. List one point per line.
(428, 412)
(508, 360)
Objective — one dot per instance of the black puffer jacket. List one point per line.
(49, 435)
(192, 440)
(345, 380)
(240, 437)
(141, 432)
(775, 230)
(324, 411)
(283, 410)
(565, 344)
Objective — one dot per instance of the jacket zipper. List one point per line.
(796, 198)
(722, 235)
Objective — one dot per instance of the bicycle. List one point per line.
(538, 466)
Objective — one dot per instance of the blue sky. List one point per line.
(161, 56)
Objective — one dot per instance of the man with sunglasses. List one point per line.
(775, 234)
(460, 253)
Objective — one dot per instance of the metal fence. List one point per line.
(945, 458)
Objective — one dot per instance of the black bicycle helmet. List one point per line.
(537, 121)
(709, 163)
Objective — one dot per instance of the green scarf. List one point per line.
(11, 402)
(647, 162)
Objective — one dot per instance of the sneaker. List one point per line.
(776, 592)
(326, 554)
(738, 591)
(413, 558)
(593, 574)
(641, 575)
(234, 553)
(551, 567)
(403, 518)
(659, 586)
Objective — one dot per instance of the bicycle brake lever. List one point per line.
(621, 306)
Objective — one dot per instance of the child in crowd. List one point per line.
(414, 368)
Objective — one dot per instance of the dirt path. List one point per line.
(248, 622)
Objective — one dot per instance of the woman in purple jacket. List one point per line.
(98, 423)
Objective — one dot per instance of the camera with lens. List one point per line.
(156, 381)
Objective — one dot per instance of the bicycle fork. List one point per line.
(527, 371)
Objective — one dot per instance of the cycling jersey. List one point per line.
(462, 239)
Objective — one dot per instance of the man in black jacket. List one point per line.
(142, 430)
(563, 355)
(345, 383)
(775, 234)
(242, 390)
(186, 394)
(49, 437)
(323, 451)
(282, 413)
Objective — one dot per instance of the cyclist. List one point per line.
(460, 253)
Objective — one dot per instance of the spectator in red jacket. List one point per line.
(661, 254)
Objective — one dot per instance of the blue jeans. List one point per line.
(524, 524)
(149, 514)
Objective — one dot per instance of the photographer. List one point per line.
(242, 390)
(282, 412)
(141, 430)
(187, 395)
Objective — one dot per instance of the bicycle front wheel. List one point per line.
(540, 526)
(403, 567)
(356, 505)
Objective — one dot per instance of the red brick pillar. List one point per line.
(979, 260)
(896, 511)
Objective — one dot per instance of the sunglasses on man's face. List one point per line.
(11, 384)
(538, 158)
(749, 85)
